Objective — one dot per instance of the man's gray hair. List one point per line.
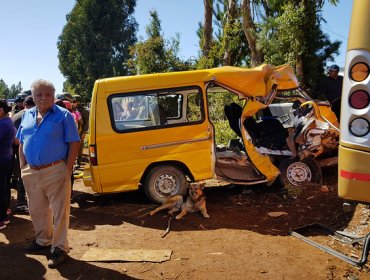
(41, 83)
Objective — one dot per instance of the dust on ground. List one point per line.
(240, 240)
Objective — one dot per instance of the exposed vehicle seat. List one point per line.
(162, 115)
(268, 133)
(233, 113)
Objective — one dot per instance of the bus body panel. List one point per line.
(358, 38)
(354, 174)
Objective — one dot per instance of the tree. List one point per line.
(95, 42)
(228, 46)
(249, 29)
(268, 31)
(207, 30)
(6, 92)
(294, 36)
(155, 54)
(14, 90)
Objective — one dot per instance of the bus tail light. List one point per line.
(359, 99)
(93, 155)
(359, 127)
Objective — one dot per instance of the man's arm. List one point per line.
(72, 155)
(22, 158)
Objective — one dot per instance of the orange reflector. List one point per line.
(359, 72)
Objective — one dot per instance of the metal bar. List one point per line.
(331, 251)
(154, 146)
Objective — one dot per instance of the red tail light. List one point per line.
(93, 155)
(359, 99)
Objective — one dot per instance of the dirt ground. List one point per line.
(239, 241)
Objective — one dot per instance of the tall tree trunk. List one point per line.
(249, 29)
(231, 14)
(207, 32)
(299, 68)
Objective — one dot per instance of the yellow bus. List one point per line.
(354, 147)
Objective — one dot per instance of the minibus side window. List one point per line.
(154, 109)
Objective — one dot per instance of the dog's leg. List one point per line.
(164, 206)
(204, 213)
(173, 210)
(182, 214)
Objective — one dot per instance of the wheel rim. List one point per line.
(298, 172)
(166, 184)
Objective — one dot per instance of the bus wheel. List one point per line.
(306, 172)
(164, 181)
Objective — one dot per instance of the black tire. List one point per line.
(164, 181)
(306, 172)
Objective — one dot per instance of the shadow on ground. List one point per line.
(235, 207)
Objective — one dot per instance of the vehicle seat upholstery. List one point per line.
(162, 115)
(233, 113)
(269, 133)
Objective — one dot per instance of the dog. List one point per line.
(196, 201)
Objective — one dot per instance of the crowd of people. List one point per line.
(41, 143)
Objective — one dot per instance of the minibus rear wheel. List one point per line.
(164, 181)
(301, 173)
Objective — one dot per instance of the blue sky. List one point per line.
(29, 31)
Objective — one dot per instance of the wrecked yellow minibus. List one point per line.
(154, 131)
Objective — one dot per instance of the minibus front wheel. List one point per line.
(296, 172)
(164, 181)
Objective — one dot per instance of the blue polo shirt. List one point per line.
(49, 141)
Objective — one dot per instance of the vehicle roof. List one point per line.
(256, 81)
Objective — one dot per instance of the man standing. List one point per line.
(331, 88)
(22, 205)
(19, 106)
(49, 144)
(82, 130)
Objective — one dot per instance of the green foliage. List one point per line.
(286, 31)
(214, 58)
(15, 89)
(156, 55)
(95, 42)
(217, 99)
(195, 104)
(281, 38)
(6, 92)
(295, 34)
(223, 132)
(229, 37)
(67, 87)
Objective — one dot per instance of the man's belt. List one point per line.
(39, 167)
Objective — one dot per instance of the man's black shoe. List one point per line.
(57, 257)
(36, 247)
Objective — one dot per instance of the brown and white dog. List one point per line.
(196, 201)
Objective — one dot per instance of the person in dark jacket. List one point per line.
(331, 88)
